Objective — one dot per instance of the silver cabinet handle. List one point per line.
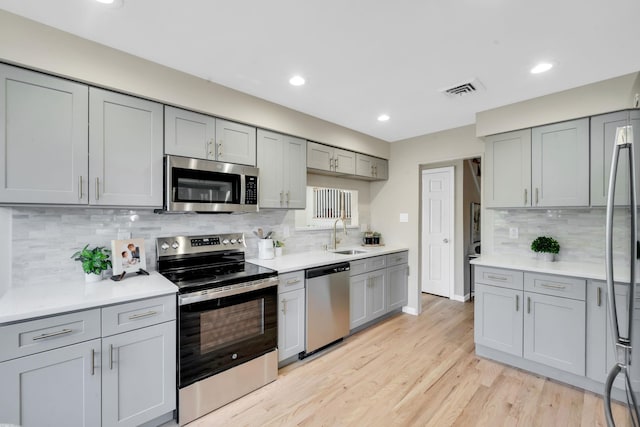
(517, 302)
(97, 188)
(284, 306)
(501, 278)
(526, 198)
(52, 334)
(599, 296)
(293, 281)
(552, 286)
(372, 173)
(375, 170)
(93, 362)
(141, 315)
(288, 197)
(209, 147)
(220, 149)
(336, 163)
(80, 188)
(536, 196)
(281, 198)
(331, 165)
(528, 305)
(110, 356)
(445, 240)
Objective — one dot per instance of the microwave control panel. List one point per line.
(251, 190)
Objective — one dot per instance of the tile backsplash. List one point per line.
(43, 239)
(580, 232)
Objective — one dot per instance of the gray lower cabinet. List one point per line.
(62, 370)
(367, 293)
(291, 314)
(498, 318)
(397, 280)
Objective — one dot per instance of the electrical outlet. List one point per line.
(513, 232)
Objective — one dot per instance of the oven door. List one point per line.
(196, 185)
(221, 333)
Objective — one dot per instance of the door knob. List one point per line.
(445, 240)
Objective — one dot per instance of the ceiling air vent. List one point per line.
(463, 88)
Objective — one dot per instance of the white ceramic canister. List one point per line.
(265, 249)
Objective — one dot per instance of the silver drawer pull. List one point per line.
(140, 315)
(293, 281)
(552, 286)
(52, 334)
(491, 276)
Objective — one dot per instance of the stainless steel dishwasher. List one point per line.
(327, 305)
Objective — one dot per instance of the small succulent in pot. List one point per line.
(547, 245)
(94, 261)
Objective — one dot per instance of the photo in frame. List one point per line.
(128, 256)
(475, 223)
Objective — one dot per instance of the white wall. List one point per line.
(37, 46)
(401, 193)
(5, 249)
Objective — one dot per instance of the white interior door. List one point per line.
(437, 231)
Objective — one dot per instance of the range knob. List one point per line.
(164, 246)
(225, 242)
(234, 241)
(240, 240)
(175, 245)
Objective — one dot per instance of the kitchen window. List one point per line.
(323, 208)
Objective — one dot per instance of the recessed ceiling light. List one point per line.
(541, 68)
(383, 117)
(105, 1)
(297, 81)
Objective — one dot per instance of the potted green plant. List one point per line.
(376, 238)
(548, 246)
(94, 262)
(278, 245)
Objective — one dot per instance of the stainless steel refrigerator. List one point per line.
(621, 221)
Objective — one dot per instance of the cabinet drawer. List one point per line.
(561, 286)
(291, 281)
(398, 258)
(499, 277)
(364, 265)
(138, 314)
(34, 336)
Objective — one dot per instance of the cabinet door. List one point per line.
(236, 143)
(295, 172)
(364, 165)
(43, 142)
(125, 150)
(603, 134)
(397, 292)
(559, 164)
(139, 375)
(319, 156)
(507, 181)
(498, 318)
(59, 387)
(271, 165)
(554, 332)
(189, 134)
(377, 290)
(597, 331)
(344, 161)
(291, 315)
(358, 296)
(381, 169)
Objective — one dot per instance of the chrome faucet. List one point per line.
(342, 218)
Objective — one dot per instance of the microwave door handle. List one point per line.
(243, 188)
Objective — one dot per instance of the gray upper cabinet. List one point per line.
(325, 159)
(189, 134)
(603, 133)
(372, 168)
(44, 129)
(283, 175)
(125, 146)
(235, 143)
(507, 180)
(560, 164)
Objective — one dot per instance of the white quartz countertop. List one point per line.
(304, 260)
(44, 299)
(595, 271)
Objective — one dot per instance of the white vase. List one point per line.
(278, 251)
(92, 278)
(548, 256)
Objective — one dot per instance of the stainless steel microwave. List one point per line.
(197, 185)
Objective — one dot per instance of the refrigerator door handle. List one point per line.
(609, 244)
(607, 394)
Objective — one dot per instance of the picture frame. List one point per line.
(475, 223)
(128, 256)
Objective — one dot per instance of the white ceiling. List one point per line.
(362, 58)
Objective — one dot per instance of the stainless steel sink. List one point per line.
(350, 252)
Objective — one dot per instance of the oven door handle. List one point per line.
(215, 293)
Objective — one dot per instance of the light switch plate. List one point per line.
(513, 232)
(404, 217)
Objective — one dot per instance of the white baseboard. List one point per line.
(410, 310)
(461, 298)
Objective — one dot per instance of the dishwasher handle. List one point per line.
(327, 269)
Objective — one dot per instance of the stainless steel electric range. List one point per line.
(227, 320)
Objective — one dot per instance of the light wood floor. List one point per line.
(412, 371)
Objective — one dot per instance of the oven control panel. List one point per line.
(181, 245)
